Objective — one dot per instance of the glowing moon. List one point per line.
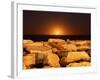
(57, 33)
(57, 30)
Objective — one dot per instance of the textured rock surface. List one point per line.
(56, 53)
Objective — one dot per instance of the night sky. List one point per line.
(55, 23)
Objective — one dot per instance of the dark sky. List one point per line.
(55, 23)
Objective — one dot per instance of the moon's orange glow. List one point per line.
(57, 33)
(56, 30)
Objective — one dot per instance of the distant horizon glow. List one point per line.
(56, 30)
(55, 23)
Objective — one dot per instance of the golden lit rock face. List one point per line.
(29, 60)
(56, 53)
(79, 64)
(76, 56)
(53, 60)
